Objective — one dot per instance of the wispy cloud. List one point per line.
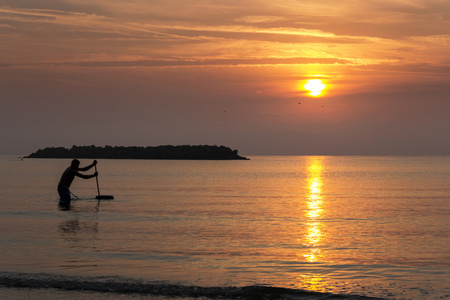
(195, 62)
(257, 32)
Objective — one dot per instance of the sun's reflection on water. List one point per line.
(314, 211)
(314, 231)
(313, 282)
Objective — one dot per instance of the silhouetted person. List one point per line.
(66, 180)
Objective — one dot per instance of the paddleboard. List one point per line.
(104, 197)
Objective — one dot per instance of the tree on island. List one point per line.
(200, 152)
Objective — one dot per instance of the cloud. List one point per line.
(260, 19)
(432, 40)
(194, 62)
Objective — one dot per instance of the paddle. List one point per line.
(98, 189)
(96, 179)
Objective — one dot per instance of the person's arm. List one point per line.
(88, 167)
(86, 176)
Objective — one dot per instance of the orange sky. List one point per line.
(227, 73)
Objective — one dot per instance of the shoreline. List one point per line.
(31, 283)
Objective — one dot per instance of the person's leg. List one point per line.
(64, 197)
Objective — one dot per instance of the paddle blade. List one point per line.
(104, 197)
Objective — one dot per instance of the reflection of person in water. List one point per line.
(66, 180)
(77, 231)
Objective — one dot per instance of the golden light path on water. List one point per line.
(314, 226)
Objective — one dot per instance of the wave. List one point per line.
(120, 285)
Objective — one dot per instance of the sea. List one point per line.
(271, 227)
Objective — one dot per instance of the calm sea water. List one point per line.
(372, 226)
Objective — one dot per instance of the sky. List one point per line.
(232, 73)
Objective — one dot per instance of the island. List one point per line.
(186, 152)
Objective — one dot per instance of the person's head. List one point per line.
(75, 164)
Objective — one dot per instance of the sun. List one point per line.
(315, 87)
